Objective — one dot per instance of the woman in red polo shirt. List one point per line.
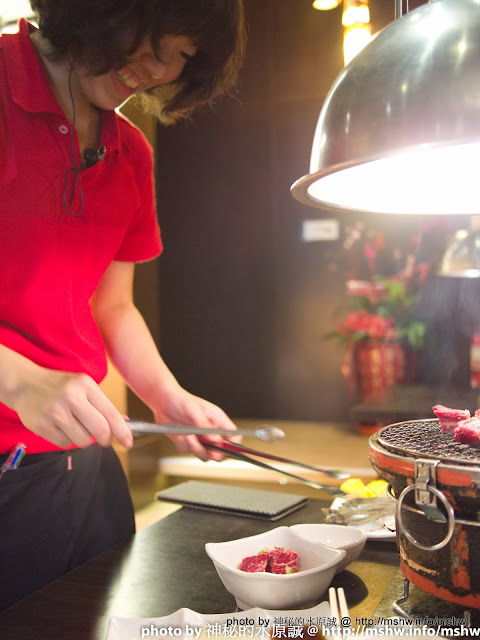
(77, 211)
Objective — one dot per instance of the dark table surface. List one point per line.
(161, 569)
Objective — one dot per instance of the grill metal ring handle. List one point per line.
(450, 519)
(390, 493)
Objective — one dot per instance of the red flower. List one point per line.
(371, 324)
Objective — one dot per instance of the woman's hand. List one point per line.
(133, 352)
(181, 407)
(69, 408)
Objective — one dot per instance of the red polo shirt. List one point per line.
(51, 261)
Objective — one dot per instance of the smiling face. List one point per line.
(144, 70)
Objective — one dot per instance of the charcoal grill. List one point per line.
(436, 482)
(424, 438)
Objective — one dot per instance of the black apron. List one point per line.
(58, 510)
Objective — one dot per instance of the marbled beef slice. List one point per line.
(468, 431)
(450, 418)
(254, 564)
(280, 559)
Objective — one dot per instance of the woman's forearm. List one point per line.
(132, 350)
(16, 372)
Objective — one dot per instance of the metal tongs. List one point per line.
(239, 452)
(266, 433)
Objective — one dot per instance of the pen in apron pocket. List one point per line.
(14, 459)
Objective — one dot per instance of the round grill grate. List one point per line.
(424, 439)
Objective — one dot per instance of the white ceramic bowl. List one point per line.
(317, 564)
(337, 536)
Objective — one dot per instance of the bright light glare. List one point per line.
(424, 181)
(325, 5)
(355, 14)
(10, 28)
(13, 10)
(354, 40)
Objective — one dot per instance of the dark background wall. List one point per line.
(243, 303)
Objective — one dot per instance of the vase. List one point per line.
(380, 364)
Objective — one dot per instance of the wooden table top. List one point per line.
(164, 568)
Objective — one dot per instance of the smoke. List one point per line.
(450, 307)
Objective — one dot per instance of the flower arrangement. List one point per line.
(382, 310)
(382, 331)
(382, 306)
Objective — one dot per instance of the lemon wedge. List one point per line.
(355, 486)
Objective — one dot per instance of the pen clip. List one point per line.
(14, 459)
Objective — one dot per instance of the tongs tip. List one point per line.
(268, 433)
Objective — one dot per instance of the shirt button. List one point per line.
(63, 128)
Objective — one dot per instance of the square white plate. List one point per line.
(184, 621)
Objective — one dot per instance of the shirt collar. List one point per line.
(24, 69)
(29, 84)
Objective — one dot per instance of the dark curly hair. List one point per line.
(102, 35)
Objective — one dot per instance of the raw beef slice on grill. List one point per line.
(450, 418)
(253, 564)
(468, 431)
(280, 559)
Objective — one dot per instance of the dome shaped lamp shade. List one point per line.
(399, 131)
(462, 257)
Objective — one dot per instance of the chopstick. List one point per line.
(237, 455)
(339, 609)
